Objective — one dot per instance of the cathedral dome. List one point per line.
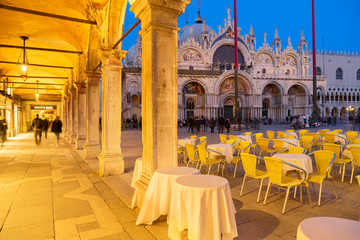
(195, 30)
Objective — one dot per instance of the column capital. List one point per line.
(112, 56)
(80, 87)
(92, 77)
(159, 13)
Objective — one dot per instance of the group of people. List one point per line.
(197, 123)
(42, 125)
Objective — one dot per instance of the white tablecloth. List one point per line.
(224, 149)
(136, 176)
(158, 195)
(328, 228)
(184, 141)
(203, 205)
(299, 160)
(291, 143)
(340, 138)
(245, 138)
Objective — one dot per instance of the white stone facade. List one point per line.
(273, 82)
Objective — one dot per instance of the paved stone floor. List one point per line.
(49, 192)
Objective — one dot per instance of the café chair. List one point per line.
(257, 137)
(247, 133)
(338, 131)
(264, 147)
(355, 151)
(249, 164)
(278, 145)
(307, 142)
(208, 160)
(192, 137)
(243, 147)
(202, 141)
(303, 132)
(223, 138)
(351, 135)
(329, 138)
(270, 134)
(358, 178)
(323, 131)
(290, 130)
(287, 136)
(280, 180)
(235, 138)
(280, 134)
(182, 151)
(317, 140)
(192, 155)
(324, 160)
(339, 160)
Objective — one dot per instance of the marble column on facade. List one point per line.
(74, 117)
(92, 147)
(81, 116)
(159, 85)
(111, 159)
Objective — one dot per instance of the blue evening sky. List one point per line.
(337, 22)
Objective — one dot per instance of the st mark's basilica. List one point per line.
(274, 81)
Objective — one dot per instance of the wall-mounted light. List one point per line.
(37, 95)
(24, 64)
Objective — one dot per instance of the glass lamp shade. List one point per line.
(37, 95)
(23, 67)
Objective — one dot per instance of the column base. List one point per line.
(110, 163)
(72, 138)
(80, 143)
(91, 151)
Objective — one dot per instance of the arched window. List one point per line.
(318, 71)
(358, 74)
(339, 73)
(190, 104)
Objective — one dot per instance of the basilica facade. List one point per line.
(274, 82)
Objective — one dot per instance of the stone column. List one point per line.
(111, 159)
(159, 84)
(74, 117)
(69, 117)
(92, 147)
(81, 117)
(12, 119)
(65, 113)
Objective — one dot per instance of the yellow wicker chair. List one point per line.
(270, 134)
(355, 151)
(288, 136)
(339, 160)
(303, 132)
(202, 141)
(278, 145)
(257, 137)
(317, 140)
(223, 138)
(290, 130)
(209, 160)
(351, 135)
(264, 147)
(249, 164)
(307, 142)
(191, 153)
(276, 178)
(243, 147)
(293, 150)
(280, 134)
(323, 131)
(247, 133)
(338, 131)
(324, 160)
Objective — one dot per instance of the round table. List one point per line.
(340, 138)
(291, 142)
(328, 228)
(158, 194)
(245, 138)
(184, 141)
(203, 205)
(224, 149)
(300, 160)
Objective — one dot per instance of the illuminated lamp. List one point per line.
(24, 64)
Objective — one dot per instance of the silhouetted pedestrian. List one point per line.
(37, 125)
(56, 128)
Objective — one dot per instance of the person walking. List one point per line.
(56, 129)
(212, 124)
(45, 124)
(3, 128)
(227, 124)
(221, 124)
(37, 125)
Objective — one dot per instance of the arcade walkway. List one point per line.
(47, 192)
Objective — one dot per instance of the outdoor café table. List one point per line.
(340, 138)
(292, 142)
(329, 228)
(224, 149)
(244, 138)
(158, 195)
(203, 205)
(136, 176)
(184, 141)
(300, 160)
